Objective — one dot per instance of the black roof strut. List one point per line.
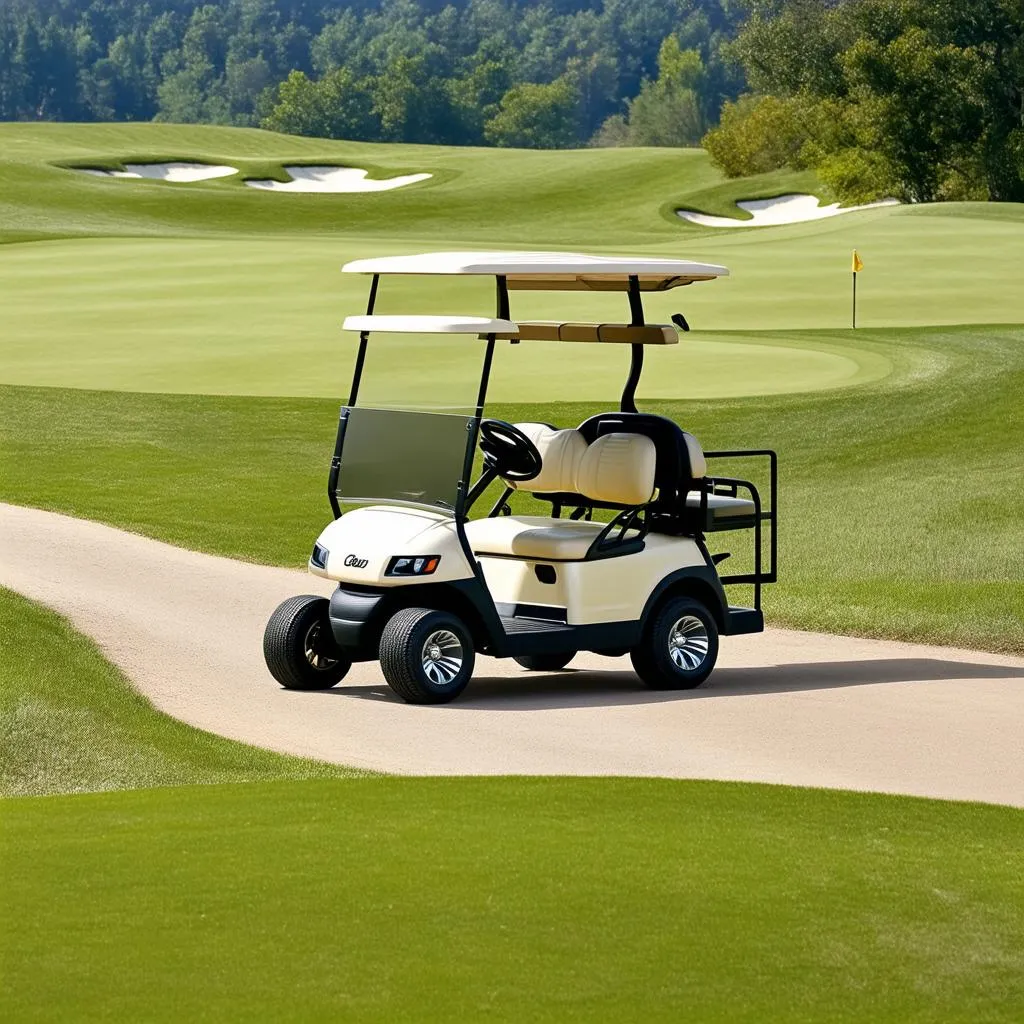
(636, 363)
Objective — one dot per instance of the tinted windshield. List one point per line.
(410, 457)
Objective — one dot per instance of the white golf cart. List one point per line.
(423, 583)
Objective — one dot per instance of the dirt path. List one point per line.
(787, 707)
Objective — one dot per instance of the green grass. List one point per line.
(263, 317)
(508, 899)
(69, 722)
(899, 497)
(216, 288)
(512, 900)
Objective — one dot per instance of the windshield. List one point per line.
(415, 458)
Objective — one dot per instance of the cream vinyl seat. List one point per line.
(616, 467)
(533, 537)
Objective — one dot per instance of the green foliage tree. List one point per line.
(335, 107)
(534, 116)
(437, 70)
(668, 110)
(913, 98)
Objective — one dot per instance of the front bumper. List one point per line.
(357, 618)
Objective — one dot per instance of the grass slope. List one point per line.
(69, 721)
(511, 900)
(899, 498)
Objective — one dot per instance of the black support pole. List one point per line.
(636, 362)
(503, 306)
(364, 337)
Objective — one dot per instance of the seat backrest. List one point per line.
(618, 469)
(560, 452)
(680, 460)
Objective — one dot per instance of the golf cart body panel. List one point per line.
(362, 546)
(424, 580)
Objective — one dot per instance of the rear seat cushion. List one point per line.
(560, 452)
(723, 506)
(618, 468)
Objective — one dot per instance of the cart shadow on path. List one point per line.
(580, 688)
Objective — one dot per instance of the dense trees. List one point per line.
(506, 72)
(921, 99)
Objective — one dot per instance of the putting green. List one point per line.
(263, 318)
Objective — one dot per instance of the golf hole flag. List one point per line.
(856, 265)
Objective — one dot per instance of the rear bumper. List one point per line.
(743, 620)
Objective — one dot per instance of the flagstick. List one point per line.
(855, 300)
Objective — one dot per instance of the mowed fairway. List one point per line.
(511, 900)
(171, 362)
(216, 288)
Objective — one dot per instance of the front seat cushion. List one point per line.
(537, 537)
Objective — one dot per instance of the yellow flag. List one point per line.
(858, 263)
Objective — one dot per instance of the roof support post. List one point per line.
(364, 337)
(636, 363)
(502, 286)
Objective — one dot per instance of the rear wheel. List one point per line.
(426, 656)
(299, 647)
(679, 647)
(545, 662)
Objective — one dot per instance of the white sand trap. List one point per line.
(335, 179)
(791, 209)
(179, 172)
(797, 708)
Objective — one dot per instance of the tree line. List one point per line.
(919, 99)
(463, 72)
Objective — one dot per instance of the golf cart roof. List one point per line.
(554, 271)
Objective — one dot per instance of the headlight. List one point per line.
(319, 557)
(412, 565)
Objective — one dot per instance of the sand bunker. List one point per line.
(180, 172)
(335, 179)
(791, 209)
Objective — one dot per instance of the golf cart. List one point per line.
(618, 564)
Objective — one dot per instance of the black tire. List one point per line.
(545, 662)
(418, 674)
(299, 647)
(667, 664)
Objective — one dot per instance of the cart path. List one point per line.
(783, 707)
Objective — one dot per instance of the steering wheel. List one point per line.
(508, 451)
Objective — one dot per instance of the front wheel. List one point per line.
(426, 656)
(679, 646)
(545, 662)
(299, 647)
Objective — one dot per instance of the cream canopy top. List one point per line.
(556, 271)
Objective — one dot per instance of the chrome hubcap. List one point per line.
(688, 643)
(442, 657)
(311, 647)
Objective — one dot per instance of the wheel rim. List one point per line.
(442, 657)
(311, 648)
(688, 643)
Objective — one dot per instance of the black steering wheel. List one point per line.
(508, 451)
